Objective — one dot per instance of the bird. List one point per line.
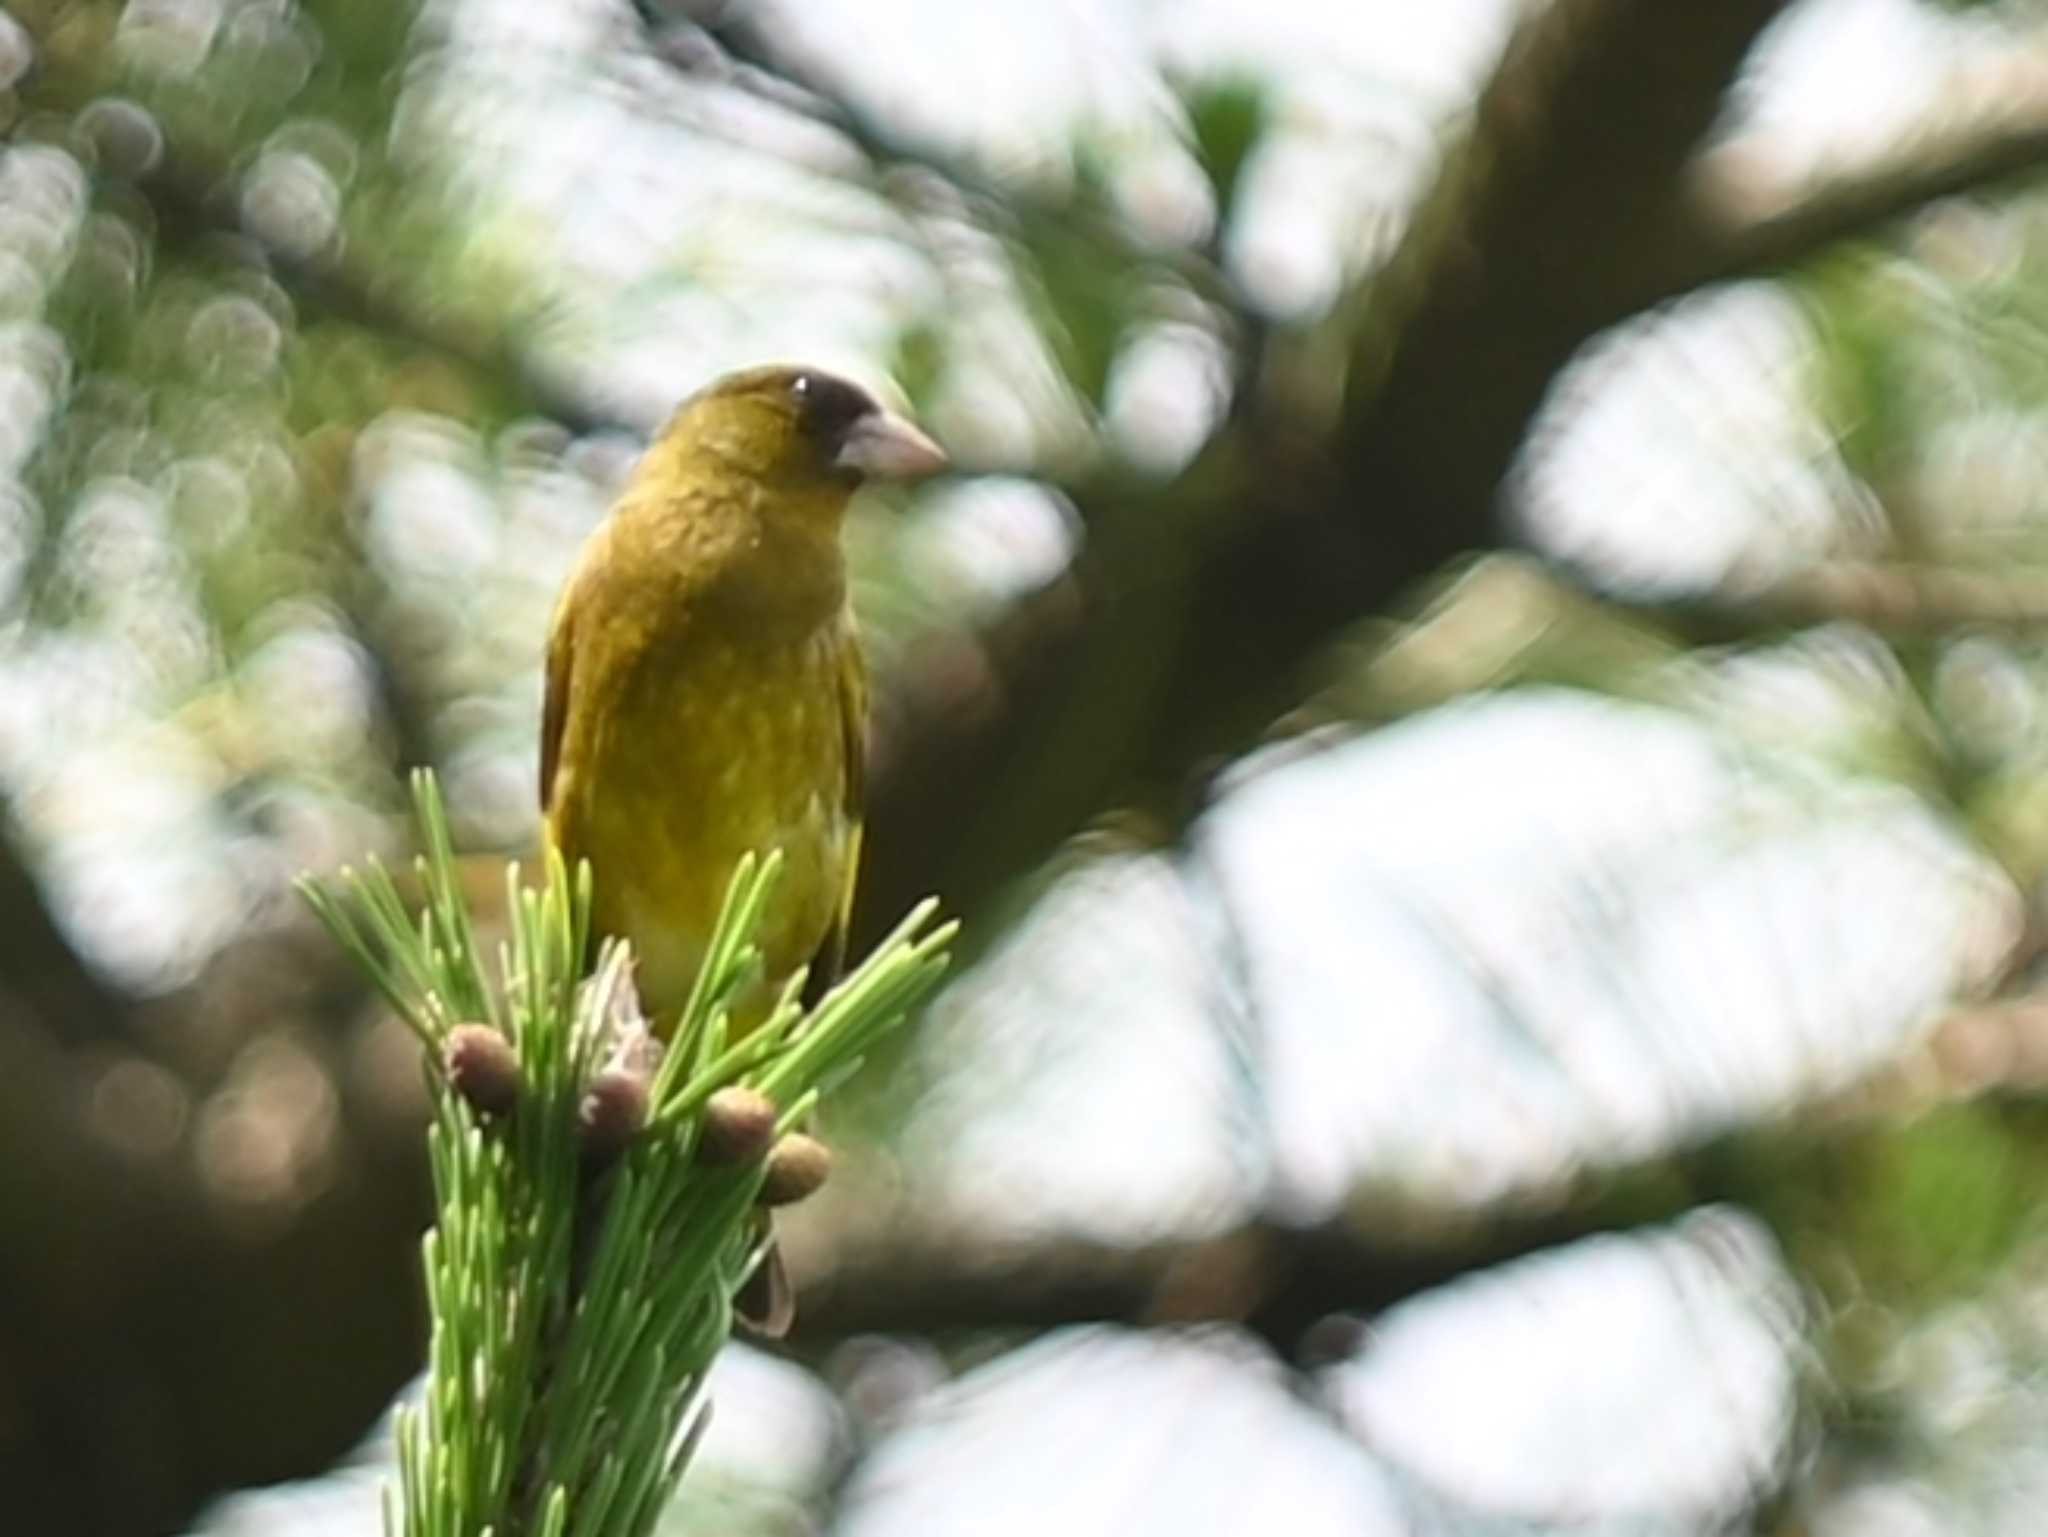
(706, 693)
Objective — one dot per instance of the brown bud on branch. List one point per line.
(739, 1126)
(613, 1109)
(483, 1068)
(797, 1167)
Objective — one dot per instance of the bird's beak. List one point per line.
(886, 447)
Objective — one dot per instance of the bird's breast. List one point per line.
(740, 745)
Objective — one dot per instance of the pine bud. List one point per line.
(797, 1166)
(484, 1068)
(613, 1110)
(739, 1125)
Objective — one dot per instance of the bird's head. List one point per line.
(799, 430)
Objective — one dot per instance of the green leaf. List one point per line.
(1227, 116)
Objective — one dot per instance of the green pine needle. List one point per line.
(575, 1313)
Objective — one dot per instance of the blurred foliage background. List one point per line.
(1479, 683)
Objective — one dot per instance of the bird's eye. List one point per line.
(828, 406)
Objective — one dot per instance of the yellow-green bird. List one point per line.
(706, 695)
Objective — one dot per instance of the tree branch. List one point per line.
(1279, 1282)
(44, 983)
(760, 56)
(157, 1354)
(193, 200)
(1891, 597)
(191, 189)
(1723, 235)
(1201, 605)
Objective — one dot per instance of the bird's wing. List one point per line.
(554, 712)
(853, 741)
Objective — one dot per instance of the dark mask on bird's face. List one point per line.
(800, 429)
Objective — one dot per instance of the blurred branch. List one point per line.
(43, 981)
(159, 1350)
(194, 199)
(1890, 597)
(194, 205)
(1277, 1281)
(1718, 240)
(1281, 1281)
(191, 189)
(1198, 608)
(741, 40)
